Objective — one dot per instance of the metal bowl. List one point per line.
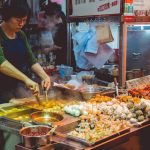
(35, 136)
(89, 91)
(46, 118)
(88, 95)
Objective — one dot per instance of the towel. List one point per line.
(103, 54)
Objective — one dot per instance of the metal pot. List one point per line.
(35, 136)
(46, 118)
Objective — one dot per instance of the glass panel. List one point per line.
(138, 51)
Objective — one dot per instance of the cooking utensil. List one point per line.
(35, 136)
(46, 118)
(46, 95)
(38, 99)
(51, 132)
(116, 86)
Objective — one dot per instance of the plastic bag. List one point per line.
(103, 33)
(92, 45)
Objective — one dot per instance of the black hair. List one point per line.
(51, 9)
(15, 8)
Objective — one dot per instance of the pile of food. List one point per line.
(139, 111)
(9, 110)
(115, 109)
(124, 108)
(143, 93)
(37, 134)
(77, 110)
(35, 131)
(51, 105)
(125, 98)
(100, 98)
(23, 118)
(96, 127)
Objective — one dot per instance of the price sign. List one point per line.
(95, 7)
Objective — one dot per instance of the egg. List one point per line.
(133, 120)
(77, 113)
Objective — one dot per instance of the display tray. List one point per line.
(140, 124)
(64, 130)
(12, 109)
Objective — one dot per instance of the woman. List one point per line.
(15, 53)
(52, 20)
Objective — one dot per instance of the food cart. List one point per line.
(114, 133)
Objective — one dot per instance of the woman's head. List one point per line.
(15, 12)
(51, 13)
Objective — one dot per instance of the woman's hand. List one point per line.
(46, 83)
(33, 86)
(53, 48)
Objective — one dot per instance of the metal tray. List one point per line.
(15, 106)
(14, 115)
(7, 110)
(62, 131)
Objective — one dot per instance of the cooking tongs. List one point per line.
(37, 96)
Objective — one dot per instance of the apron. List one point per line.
(16, 53)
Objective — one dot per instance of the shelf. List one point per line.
(135, 18)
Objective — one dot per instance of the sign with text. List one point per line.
(95, 7)
(141, 4)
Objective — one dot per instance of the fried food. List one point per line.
(100, 98)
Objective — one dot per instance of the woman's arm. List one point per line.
(8, 69)
(46, 83)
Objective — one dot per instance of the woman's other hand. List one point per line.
(46, 83)
(33, 86)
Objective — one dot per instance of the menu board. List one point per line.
(95, 7)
